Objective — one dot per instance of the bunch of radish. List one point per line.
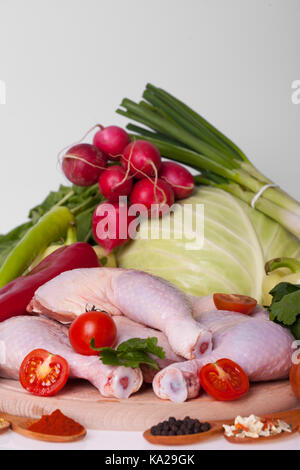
(133, 170)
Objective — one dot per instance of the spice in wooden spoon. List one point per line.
(181, 432)
(55, 427)
(174, 427)
(254, 428)
(56, 424)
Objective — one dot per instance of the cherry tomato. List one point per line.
(224, 380)
(295, 377)
(89, 325)
(235, 303)
(43, 373)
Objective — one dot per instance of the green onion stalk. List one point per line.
(183, 135)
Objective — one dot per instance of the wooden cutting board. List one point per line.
(81, 401)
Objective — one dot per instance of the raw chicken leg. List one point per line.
(129, 329)
(137, 295)
(20, 335)
(262, 348)
(202, 304)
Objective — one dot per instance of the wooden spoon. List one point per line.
(20, 424)
(184, 439)
(291, 417)
(4, 426)
(253, 440)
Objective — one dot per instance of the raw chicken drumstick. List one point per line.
(261, 347)
(20, 335)
(137, 295)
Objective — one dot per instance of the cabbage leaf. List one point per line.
(275, 240)
(237, 242)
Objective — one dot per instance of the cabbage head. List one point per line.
(238, 240)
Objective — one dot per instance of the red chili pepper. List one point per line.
(16, 295)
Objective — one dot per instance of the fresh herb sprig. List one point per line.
(285, 306)
(131, 353)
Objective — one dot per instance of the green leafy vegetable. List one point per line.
(81, 201)
(295, 328)
(233, 254)
(282, 289)
(84, 226)
(10, 240)
(274, 239)
(285, 306)
(131, 353)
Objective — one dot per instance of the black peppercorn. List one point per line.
(179, 427)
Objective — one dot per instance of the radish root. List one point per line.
(75, 157)
(78, 142)
(177, 185)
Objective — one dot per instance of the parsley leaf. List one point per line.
(131, 353)
(285, 306)
(287, 309)
(282, 289)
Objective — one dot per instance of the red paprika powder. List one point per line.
(56, 424)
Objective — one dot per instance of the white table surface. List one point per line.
(112, 440)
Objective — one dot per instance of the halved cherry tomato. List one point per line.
(89, 325)
(224, 380)
(43, 373)
(235, 303)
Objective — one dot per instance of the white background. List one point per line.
(67, 65)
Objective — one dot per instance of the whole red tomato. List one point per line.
(89, 325)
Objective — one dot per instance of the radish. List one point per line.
(110, 225)
(156, 195)
(141, 159)
(83, 164)
(114, 183)
(178, 177)
(111, 140)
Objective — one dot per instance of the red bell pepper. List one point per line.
(16, 295)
